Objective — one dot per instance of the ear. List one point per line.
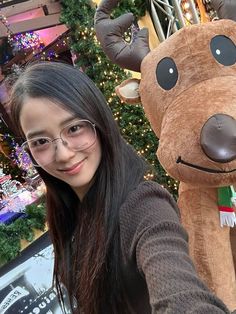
(128, 91)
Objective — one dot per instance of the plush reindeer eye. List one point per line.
(223, 50)
(167, 73)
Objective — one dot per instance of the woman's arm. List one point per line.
(154, 237)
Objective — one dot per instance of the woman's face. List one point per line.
(40, 117)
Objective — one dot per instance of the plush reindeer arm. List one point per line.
(110, 34)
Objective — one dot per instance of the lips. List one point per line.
(73, 169)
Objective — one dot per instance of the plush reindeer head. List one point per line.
(188, 91)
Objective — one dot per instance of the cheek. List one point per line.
(95, 149)
(49, 170)
(97, 153)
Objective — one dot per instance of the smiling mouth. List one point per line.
(181, 161)
(72, 167)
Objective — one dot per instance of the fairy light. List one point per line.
(187, 12)
(50, 54)
(5, 22)
(188, 16)
(22, 158)
(28, 40)
(186, 6)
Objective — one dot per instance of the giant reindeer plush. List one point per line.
(188, 91)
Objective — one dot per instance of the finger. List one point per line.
(104, 9)
(123, 22)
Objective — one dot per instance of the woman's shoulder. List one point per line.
(148, 209)
(150, 186)
(148, 196)
(147, 206)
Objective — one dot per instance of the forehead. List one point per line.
(42, 114)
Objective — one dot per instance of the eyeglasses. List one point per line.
(77, 136)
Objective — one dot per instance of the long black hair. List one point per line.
(89, 266)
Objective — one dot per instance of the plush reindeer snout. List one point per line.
(218, 138)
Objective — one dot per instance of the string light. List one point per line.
(26, 41)
(187, 12)
(22, 158)
(186, 6)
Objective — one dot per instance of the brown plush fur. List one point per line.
(204, 88)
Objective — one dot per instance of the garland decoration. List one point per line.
(11, 235)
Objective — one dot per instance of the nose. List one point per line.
(62, 151)
(218, 138)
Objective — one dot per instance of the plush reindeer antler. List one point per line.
(226, 9)
(110, 35)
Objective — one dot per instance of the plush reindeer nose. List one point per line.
(218, 138)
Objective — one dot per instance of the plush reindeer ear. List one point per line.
(128, 91)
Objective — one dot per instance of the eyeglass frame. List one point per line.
(60, 138)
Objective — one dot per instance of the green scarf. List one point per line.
(226, 200)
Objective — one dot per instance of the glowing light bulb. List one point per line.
(186, 5)
(188, 16)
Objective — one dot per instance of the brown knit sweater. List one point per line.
(158, 273)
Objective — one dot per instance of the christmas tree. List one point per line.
(10, 161)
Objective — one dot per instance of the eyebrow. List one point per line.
(63, 123)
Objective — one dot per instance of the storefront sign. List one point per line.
(26, 283)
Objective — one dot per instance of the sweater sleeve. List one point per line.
(151, 234)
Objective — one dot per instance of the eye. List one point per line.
(223, 50)
(38, 143)
(75, 128)
(167, 73)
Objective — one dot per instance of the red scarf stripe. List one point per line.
(226, 209)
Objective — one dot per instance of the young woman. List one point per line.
(119, 245)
